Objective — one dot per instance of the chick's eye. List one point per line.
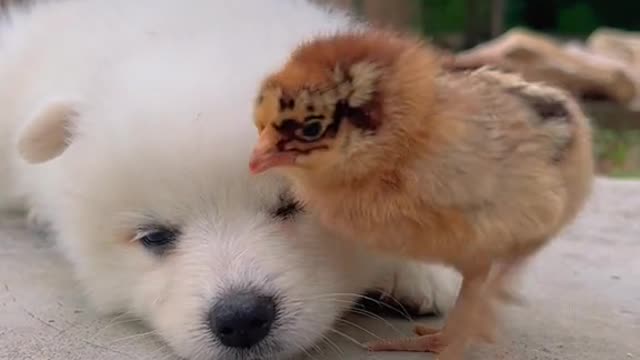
(311, 130)
(157, 239)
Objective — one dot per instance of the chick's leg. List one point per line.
(501, 286)
(461, 325)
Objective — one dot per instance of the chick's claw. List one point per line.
(433, 341)
(422, 330)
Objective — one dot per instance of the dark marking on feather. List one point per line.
(553, 111)
(287, 127)
(547, 108)
(357, 116)
(550, 110)
(286, 103)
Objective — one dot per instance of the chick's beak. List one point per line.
(266, 154)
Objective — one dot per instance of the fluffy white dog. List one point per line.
(126, 127)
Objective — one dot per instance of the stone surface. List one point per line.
(604, 67)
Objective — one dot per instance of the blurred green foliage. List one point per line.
(617, 152)
(443, 16)
(577, 18)
(562, 17)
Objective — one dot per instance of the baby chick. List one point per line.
(477, 170)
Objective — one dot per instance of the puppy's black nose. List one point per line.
(242, 319)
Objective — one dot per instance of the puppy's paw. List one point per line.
(416, 289)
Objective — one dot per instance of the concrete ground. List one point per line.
(583, 299)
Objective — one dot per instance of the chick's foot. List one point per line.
(428, 340)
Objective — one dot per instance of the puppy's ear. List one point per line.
(46, 134)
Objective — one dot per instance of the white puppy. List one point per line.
(126, 127)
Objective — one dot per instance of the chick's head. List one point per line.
(325, 104)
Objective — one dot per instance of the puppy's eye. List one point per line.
(288, 208)
(311, 130)
(157, 239)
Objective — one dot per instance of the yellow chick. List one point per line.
(476, 170)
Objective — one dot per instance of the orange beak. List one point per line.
(266, 154)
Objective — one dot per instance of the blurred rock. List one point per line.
(606, 67)
(621, 45)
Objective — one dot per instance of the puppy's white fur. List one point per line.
(117, 114)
